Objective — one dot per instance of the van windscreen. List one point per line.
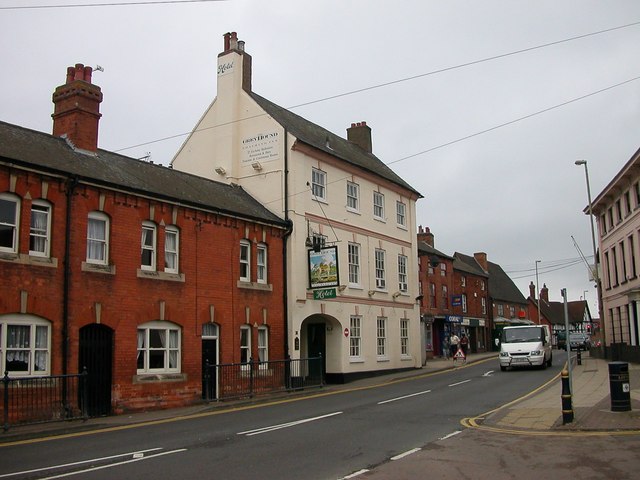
(520, 335)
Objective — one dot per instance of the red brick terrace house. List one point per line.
(134, 270)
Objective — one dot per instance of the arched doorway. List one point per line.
(318, 332)
(96, 354)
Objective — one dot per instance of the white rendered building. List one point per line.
(353, 299)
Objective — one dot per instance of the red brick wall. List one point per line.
(209, 261)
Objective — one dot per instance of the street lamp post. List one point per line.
(538, 289)
(594, 271)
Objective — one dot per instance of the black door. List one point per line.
(209, 369)
(95, 354)
(316, 347)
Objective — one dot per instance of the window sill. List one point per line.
(407, 358)
(143, 378)
(402, 227)
(382, 359)
(356, 360)
(98, 268)
(265, 287)
(380, 219)
(29, 260)
(170, 277)
(353, 210)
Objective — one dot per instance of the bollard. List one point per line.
(579, 356)
(567, 410)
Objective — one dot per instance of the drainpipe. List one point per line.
(71, 185)
(284, 246)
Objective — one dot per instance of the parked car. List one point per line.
(579, 341)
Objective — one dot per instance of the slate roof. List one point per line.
(54, 155)
(501, 287)
(322, 139)
(554, 311)
(425, 249)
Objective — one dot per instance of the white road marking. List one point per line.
(406, 454)
(459, 383)
(271, 428)
(488, 374)
(355, 474)
(402, 398)
(111, 465)
(452, 434)
(92, 460)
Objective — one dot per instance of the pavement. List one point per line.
(540, 411)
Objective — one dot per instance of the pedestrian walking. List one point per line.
(464, 344)
(446, 347)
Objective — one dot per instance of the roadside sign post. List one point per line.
(567, 339)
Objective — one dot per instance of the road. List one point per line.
(330, 435)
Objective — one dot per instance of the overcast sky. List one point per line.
(482, 106)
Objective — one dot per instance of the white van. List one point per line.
(525, 346)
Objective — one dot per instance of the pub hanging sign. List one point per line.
(323, 268)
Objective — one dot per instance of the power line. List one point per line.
(433, 72)
(106, 4)
(569, 265)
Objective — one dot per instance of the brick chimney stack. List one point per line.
(481, 258)
(532, 291)
(232, 44)
(425, 235)
(544, 293)
(77, 108)
(360, 134)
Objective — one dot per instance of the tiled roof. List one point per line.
(501, 287)
(322, 139)
(29, 148)
(425, 249)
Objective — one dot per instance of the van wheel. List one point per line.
(504, 369)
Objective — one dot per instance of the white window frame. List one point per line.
(464, 303)
(245, 261)
(463, 281)
(263, 344)
(378, 206)
(381, 337)
(37, 349)
(381, 283)
(403, 285)
(355, 338)
(353, 197)
(319, 184)
(96, 243)
(404, 337)
(171, 351)
(261, 263)
(40, 233)
(11, 224)
(443, 269)
(245, 345)
(401, 214)
(149, 231)
(171, 252)
(353, 254)
(483, 300)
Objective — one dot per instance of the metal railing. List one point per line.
(237, 380)
(30, 400)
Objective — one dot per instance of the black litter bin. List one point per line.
(619, 387)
